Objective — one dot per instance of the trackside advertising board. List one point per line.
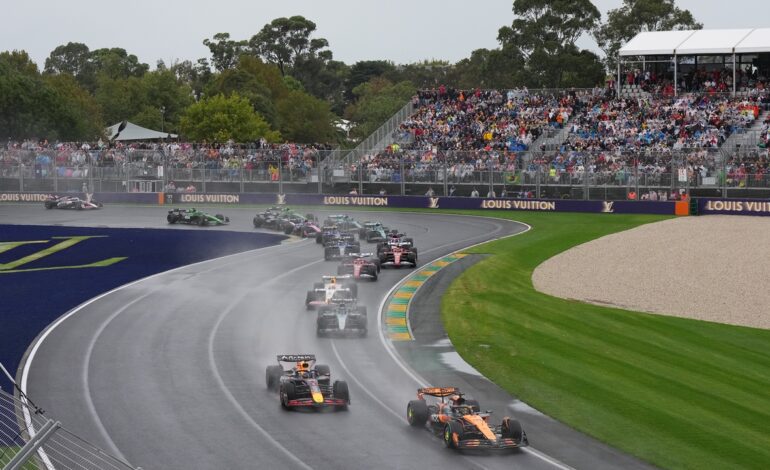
(438, 203)
(734, 206)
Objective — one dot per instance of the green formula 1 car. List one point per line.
(195, 217)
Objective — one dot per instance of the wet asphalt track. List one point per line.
(169, 372)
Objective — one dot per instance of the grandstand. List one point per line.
(687, 114)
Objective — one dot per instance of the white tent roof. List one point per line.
(712, 41)
(693, 42)
(134, 132)
(758, 40)
(655, 43)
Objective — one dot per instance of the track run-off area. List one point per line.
(168, 371)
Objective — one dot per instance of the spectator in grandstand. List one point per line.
(475, 192)
(430, 192)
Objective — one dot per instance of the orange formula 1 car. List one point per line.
(460, 422)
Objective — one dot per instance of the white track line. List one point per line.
(213, 364)
(420, 380)
(39, 340)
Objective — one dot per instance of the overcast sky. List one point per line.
(402, 31)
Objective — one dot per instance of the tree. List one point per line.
(74, 59)
(377, 100)
(284, 40)
(194, 75)
(117, 63)
(120, 98)
(496, 68)
(83, 116)
(304, 118)
(224, 51)
(543, 32)
(260, 83)
(363, 71)
(425, 74)
(636, 16)
(31, 107)
(220, 118)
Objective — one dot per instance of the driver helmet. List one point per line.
(457, 400)
(303, 366)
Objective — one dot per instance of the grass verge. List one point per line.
(675, 392)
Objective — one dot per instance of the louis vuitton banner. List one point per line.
(438, 203)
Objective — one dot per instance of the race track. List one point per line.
(168, 372)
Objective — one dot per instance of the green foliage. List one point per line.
(221, 118)
(120, 98)
(635, 16)
(117, 63)
(73, 59)
(224, 51)
(543, 33)
(85, 120)
(304, 118)
(284, 40)
(378, 100)
(363, 71)
(678, 393)
(31, 107)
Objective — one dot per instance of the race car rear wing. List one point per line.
(334, 279)
(438, 391)
(296, 357)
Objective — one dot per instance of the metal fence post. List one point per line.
(446, 177)
(280, 176)
(21, 177)
(360, 175)
(403, 177)
(319, 173)
(34, 443)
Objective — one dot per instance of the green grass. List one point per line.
(7, 453)
(675, 392)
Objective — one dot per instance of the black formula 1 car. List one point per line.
(398, 255)
(71, 202)
(339, 247)
(306, 384)
(331, 290)
(195, 217)
(341, 319)
(461, 423)
(360, 266)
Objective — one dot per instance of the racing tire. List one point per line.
(201, 221)
(79, 206)
(49, 205)
(288, 230)
(310, 297)
(98, 204)
(171, 218)
(323, 369)
(221, 217)
(474, 404)
(417, 413)
(340, 390)
(327, 255)
(511, 428)
(318, 238)
(450, 430)
(257, 222)
(273, 377)
(374, 275)
(287, 394)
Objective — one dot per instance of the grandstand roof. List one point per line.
(129, 131)
(703, 41)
